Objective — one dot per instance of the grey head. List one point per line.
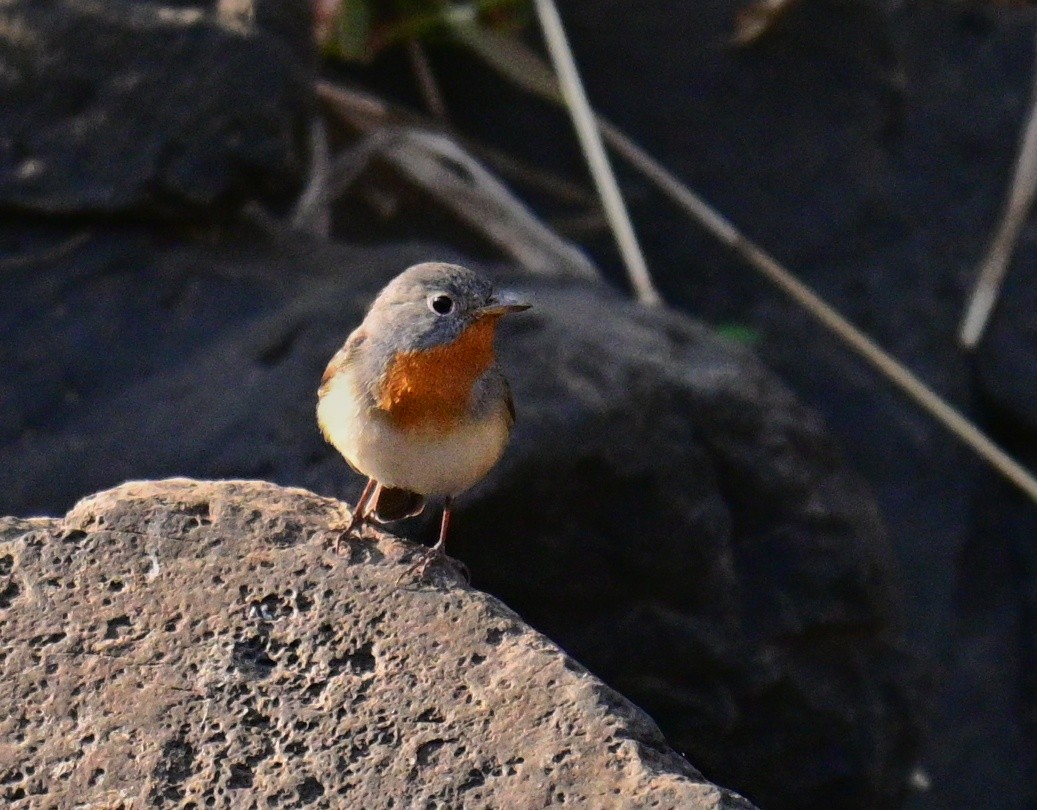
(432, 304)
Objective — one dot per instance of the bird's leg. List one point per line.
(359, 513)
(438, 551)
(444, 524)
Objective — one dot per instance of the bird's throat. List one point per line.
(431, 390)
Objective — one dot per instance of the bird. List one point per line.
(415, 399)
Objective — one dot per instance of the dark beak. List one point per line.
(504, 302)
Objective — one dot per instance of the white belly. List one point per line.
(426, 464)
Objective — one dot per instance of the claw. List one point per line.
(344, 535)
(359, 515)
(430, 557)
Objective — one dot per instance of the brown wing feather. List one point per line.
(509, 400)
(342, 357)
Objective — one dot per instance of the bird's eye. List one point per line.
(441, 304)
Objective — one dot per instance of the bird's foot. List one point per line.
(351, 529)
(359, 516)
(430, 557)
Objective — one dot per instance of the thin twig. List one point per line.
(533, 177)
(535, 81)
(350, 163)
(444, 169)
(594, 151)
(995, 265)
(367, 112)
(427, 84)
(758, 19)
(50, 254)
(830, 318)
(311, 212)
(434, 162)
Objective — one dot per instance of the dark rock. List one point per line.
(666, 511)
(999, 593)
(868, 145)
(166, 644)
(1006, 372)
(133, 107)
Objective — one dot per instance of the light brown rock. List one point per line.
(201, 645)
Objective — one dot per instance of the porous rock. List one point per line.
(202, 645)
(159, 110)
(666, 511)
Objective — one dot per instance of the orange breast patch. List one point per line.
(431, 390)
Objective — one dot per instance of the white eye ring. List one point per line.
(441, 303)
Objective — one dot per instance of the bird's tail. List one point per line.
(396, 504)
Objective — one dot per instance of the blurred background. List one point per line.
(822, 596)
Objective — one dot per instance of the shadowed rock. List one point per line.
(868, 145)
(127, 106)
(189, 642)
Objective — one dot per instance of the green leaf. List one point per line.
(740, 333)
(512, 59)
(430, 19)
(362, 28)
(352, 37)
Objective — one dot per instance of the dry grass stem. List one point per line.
(439, 166)
(594, 152)
(433, 162)
(931, 402)
(758, 19)
(427, 85)
(365, 112)
(312, 212)
(995, 264)
(534, 80)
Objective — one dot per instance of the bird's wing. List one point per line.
(509, 400)
(343, 357)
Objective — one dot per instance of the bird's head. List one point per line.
(433, 304)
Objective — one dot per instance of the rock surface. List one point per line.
(157, 109)
(200, 644)
(666, 511)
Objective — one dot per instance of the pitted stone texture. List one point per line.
(201, 645)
